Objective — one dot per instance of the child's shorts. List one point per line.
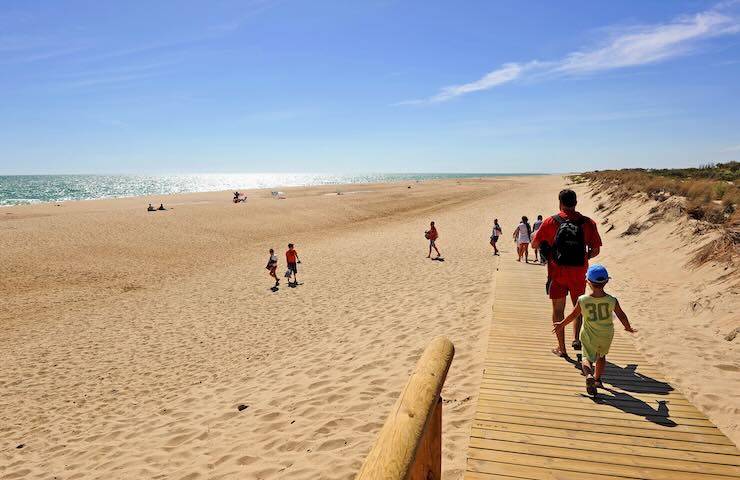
(595, 348)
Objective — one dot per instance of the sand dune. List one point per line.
(686, 314)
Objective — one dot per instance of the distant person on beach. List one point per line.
(291, 257)
(536, 226)
(151, 208)
(432, 236)
(495, 235)
(570, 239)
(598, 325)
(272, 264)
(522, 237)
(161, 207)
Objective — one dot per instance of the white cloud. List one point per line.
(507, 73)
(652, 44)
(627, 47)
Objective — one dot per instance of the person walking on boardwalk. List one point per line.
(432, 236)
(291, 257)
(272, 264)
(570, 239)
(522, 237)
(536, 226)
(495, 235)
(598, 325)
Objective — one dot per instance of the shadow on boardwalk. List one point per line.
(627, 379)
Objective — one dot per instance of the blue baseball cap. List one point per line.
(597, 273)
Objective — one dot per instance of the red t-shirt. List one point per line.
(433, 233)
(549, 227)
(291, 256)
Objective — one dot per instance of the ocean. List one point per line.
(30, 189)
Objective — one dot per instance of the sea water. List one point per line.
(29, 189)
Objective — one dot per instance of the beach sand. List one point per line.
(131, 339)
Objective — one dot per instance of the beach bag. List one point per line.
(569, 248)
(427, 235)
(287, 273)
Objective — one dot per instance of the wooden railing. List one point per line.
(409, 446)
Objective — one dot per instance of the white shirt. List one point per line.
(523, 234)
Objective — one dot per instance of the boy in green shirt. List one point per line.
(598, 327)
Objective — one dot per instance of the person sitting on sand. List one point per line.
(272, 264)
(571, 240)
(161, 207)
(291, 257)
(522, 236)
(151, 208)
(598, 325)
(495, 234)
(432, 236)
(536, 226)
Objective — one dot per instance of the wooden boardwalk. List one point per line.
(535, 421)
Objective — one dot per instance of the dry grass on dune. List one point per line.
(709, 194)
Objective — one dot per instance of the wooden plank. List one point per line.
(541, 392)
(534, 420)
(525, 471)
(586, 412)
(594, 454)
(576, 379)
(587, 406)
(578, 387)
(493, 428)
(608, 447)
(595, 468)
(661, 423)
(592, 427)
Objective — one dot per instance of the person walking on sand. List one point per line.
(272, 264)
(494, 235)
(570, 239)
(291, 257)
(432, 236)
(522, 237)
(536, 226)
(598, 325)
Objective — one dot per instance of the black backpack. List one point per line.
(570, 245)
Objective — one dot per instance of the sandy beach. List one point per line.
(150, 345)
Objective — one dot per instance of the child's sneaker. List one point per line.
(591, 385)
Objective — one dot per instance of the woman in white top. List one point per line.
(536, 226)
(522, 237)
(494, 235)
(272, 264)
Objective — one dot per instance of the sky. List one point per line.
(186, 86)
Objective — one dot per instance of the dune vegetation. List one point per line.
(709, 194)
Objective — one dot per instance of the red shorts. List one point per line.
(564, 280)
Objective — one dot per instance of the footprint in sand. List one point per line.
(729, 368)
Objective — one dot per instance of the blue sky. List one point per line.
(367, 86)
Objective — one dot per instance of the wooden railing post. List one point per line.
(409, 446)
(428, 462)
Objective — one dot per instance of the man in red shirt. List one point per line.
(291, 257)
(432, 235)
(569, 240)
